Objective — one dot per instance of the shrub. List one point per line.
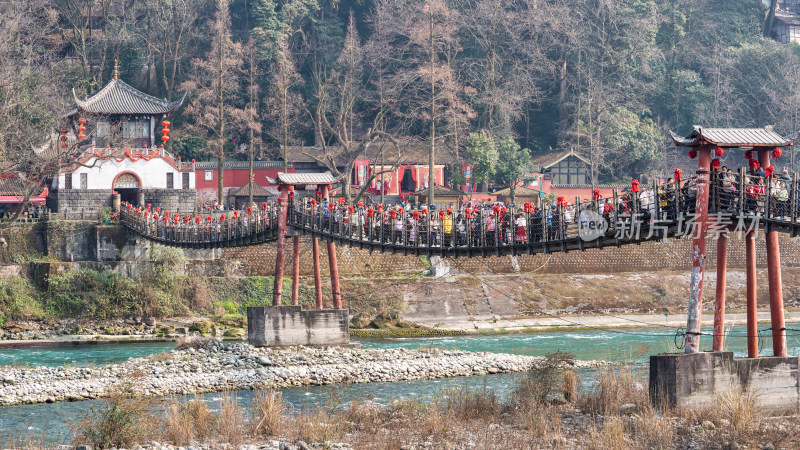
(17, 300)
(544, 380)
(119, 421)
(268, 410)
(185, 422)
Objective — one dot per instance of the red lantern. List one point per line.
(693, 153)
(165, 138)
(496, 209)
(769, 171)
(441, 214)
(146, 214)
(313, 202)
(82, 121)
(197, 219)
(222, 217)
(331, 206)
(719, 151)
(350, 209)
(503, 210)
(393, 214)
(129, 206)
(635, 186)
(236, 214)
(360, 204)
(595, 194)
(777, 152)
(560, 201)
(166, 124)
(715, 163)
(63, 138)
(155, 216)
(468, 210)
(415, 215)
(291, 194)
(175, 219)
(187, 219)
(249, 210)
(341, 200)
(748, 154)
(263, 206)
(380, 208)
(678, 175)
(209, 219)
(754, 164)
(424, 210)
(319, 193)
(158, 209)
(467, 215)
(370, 212)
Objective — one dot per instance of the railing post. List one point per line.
(794, 192)
(742, 188)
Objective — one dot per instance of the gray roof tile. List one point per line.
(117, 97)
(733, 137)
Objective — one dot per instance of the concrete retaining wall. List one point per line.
(697, 380)
(274, 326)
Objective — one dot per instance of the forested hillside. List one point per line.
(607, 77)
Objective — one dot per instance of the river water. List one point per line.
(53, 423)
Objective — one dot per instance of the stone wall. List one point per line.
(91, 201)
(175, 200)
(75, 201)
(649, 256)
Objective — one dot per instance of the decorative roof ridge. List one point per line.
(119, 84)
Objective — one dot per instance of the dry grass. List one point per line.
(231, 422)
(616, 386)
(187, 422)
(268, 412)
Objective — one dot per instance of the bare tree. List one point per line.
(214, 86)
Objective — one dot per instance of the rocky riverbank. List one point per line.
(216, 367)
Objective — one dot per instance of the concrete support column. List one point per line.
(774, 277)
(296, 270)
(752, 306)
(317, 275)
(719, 303)
(280, 258)
(698, 251)
(336, 294)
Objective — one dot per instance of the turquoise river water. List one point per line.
(53, 423)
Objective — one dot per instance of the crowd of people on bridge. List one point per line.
(473, 224)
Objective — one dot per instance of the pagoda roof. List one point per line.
(552, 158)
(734, 137)
(304, 178)
(519, 191)
(117, 97)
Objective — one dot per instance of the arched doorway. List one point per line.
(129, 186)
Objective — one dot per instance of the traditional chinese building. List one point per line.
(786, 25)
(120, 154)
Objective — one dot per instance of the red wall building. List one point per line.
(237, 174)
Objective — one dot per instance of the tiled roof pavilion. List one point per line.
(117, 97)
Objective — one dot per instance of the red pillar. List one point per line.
(698, 252)
(317, 275)
(296, 270)
(774, 278)
(719, 303)
(333, 265)
(280, 258)
(752, 307)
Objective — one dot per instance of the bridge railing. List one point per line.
(218, 227)
(631, 215)
(644, 212)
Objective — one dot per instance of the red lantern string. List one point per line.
(263, 206)
(380, 208)
(236, 214)
(222, 218)
(777, 152)
(331, 206)
(560, 201)
(350, 209)
(748, 154)
(496, 209)
(291, 194)
(719, 151)
(441, 214)
(393, 214)
(754, 164)
(312, 202)
(360, 204)
(209, 219)
(370, 212)
(715, 163)
(769, 171)
(197, 219)
(678, 175)
(341, 200)
(249, 210)
(693, 153)
(415, 215)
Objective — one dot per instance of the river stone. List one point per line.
(627, 408)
